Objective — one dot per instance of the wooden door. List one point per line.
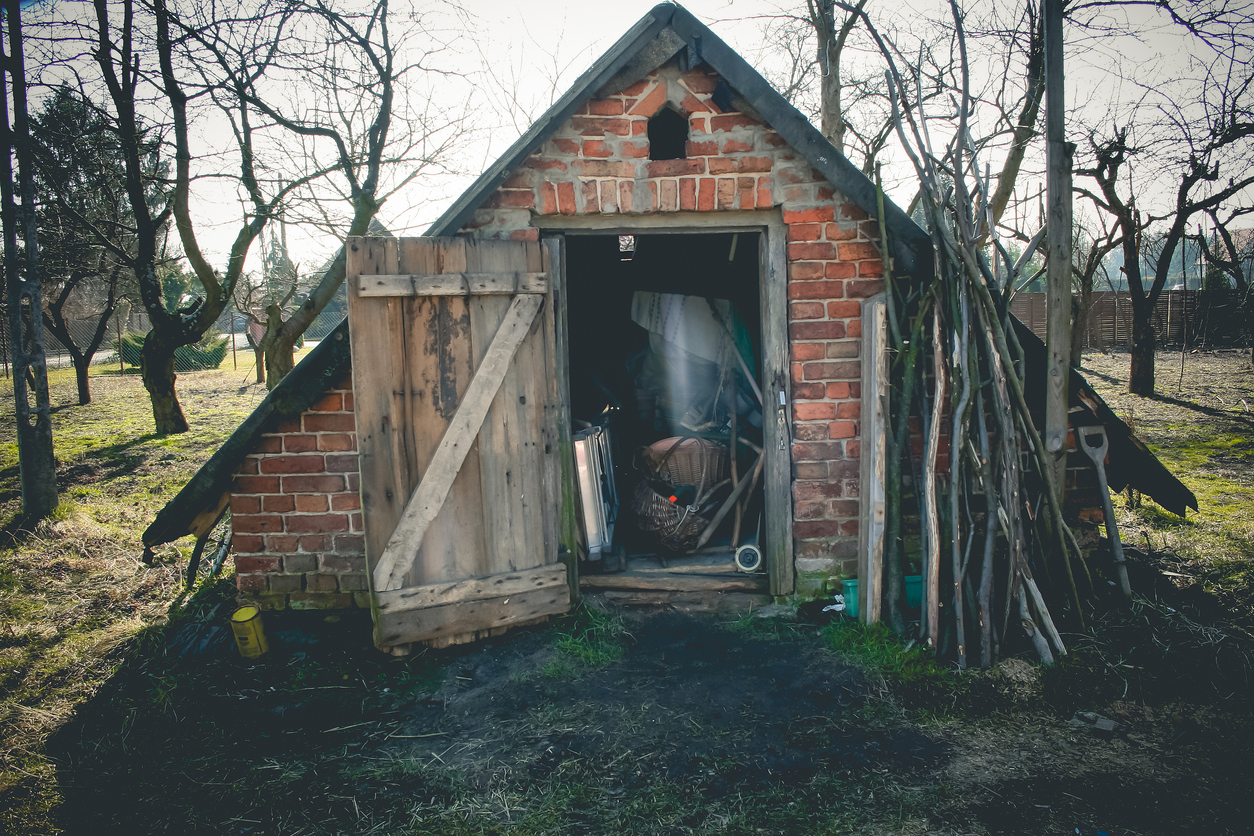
(455, 391)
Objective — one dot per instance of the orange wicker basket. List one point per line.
(684, 461)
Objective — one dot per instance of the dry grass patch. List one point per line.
(74, 593)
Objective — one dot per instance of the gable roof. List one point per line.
(667, 31)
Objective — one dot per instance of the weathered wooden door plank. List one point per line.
(562, 489)
(440, 369)
(377, 384)
(510, 473)
(501, 585)
(501, 283)
(468, 618)
(438, 479)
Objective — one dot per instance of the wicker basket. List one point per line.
(672, 526)
(683, 462)
(686, 461)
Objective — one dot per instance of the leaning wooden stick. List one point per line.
(735, 475)
(727, 504)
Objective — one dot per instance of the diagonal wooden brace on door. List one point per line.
(437, 480)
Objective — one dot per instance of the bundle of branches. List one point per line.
(990, 526)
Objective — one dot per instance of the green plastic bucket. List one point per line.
(914, 590)
(849, 588)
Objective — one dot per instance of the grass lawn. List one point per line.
(124, 707)
(74, 593)
(1203, 431)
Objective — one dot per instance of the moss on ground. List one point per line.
(1203, 431)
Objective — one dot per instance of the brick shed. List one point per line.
(671, 170)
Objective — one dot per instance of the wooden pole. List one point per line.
(1184, 334)
(1058, 268)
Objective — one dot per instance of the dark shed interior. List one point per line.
(633, 380)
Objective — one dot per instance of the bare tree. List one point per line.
(1230, 253)
(123, 54)
(79, 188)
(1166, 157)
(360, 125)
(30, 371)
(832, 31)
(1090, 250)
(1219, 143)
(260, 296)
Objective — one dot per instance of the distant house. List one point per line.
(419, 460)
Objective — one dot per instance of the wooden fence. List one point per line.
(1202, 317)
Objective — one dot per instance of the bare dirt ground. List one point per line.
(672, 723)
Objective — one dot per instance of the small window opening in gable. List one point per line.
(668, 136)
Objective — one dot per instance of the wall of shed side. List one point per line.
(296, 511)
(598, 163)
(297, 523)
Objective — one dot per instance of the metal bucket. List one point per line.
(250, 636)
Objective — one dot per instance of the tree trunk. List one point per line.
(1246, 306)
(1141, 375)
(157, 365)
(81, 364)
(259, 354)
(280, 359)
(279, 347)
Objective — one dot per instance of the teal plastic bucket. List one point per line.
(914, 590)
(849, 588)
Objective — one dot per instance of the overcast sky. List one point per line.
(529, 53)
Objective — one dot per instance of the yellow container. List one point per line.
(250, 636)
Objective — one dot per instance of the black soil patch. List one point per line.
(688, 698)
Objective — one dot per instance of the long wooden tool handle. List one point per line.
(727, 504)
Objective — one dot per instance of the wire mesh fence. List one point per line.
(227, 346)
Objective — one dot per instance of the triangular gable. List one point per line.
(668, 31)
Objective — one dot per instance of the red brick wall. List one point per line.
(296, 511)
(598, 163)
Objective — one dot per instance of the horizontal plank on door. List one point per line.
(433, 489)
(472, 616)
(473, 589)
(506, 283)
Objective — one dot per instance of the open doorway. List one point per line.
(665, 350)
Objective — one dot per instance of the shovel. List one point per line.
(1094, 442)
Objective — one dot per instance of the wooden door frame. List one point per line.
(776, 542)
